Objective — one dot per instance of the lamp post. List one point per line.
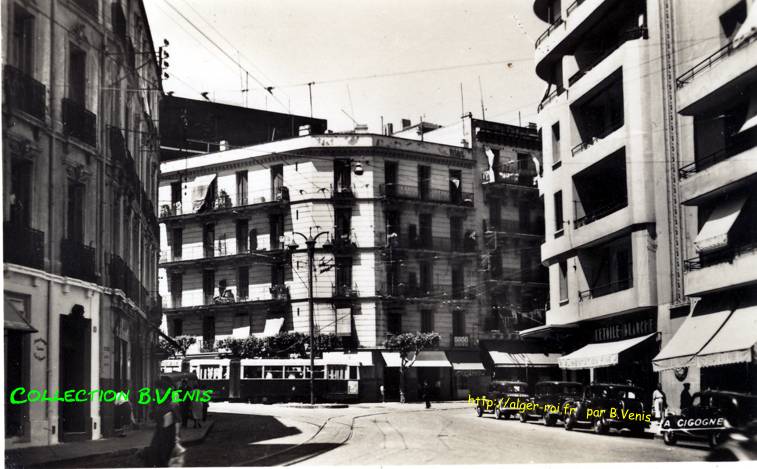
(310, 241)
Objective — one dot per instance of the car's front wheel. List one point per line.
(570, 422)
(479, 411)
(550, 420)
(498, 413)
(714, 439)
(669, 438)
(600, 426)
(523, 417)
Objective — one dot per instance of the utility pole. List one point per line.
(310, 93)
(310, 241)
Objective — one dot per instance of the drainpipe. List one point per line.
(50, 224)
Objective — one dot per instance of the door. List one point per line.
(390, 178)
(74, 417)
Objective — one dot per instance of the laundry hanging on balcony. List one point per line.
(714, 233)
(488, 175)
(201, 192)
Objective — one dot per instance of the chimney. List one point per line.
(406, 123)
(389, 128)
(304, 130)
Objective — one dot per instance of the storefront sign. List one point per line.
(352, 387)
(624, 330)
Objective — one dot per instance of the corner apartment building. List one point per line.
(80, 156)
(605, 186)
(712, 345)
(395, 251)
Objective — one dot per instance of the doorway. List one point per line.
(74, 417)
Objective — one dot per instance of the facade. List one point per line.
(611, 239)
(711, 346)
(80, 158)
(193, 127)
(399, 252)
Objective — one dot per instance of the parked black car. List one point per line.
(739, 444)
(606, 406)
(549, 398)
(710, 416)
(498, 393)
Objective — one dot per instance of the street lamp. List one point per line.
(310, 241)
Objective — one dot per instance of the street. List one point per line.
(448, 433)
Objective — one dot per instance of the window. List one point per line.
(243, 283)
(209, 239)
(208, 285)
(294, 372)
(563, 272)
(176, 290)
(319, 372)
(558, 214)
(177, 242)
(23, 40)
(242, 236)
(458, 282)
(208, 333)
(495, 214)
(394, 323)
(427, 320)
(178, 327)
(241, 188)
(277, 181)
(456, 233)
(252, 372)
(392, 222)
(342, 176)
(455, 186)
(277, 230)
(175, 194)
(213, 372)
(354, 372)
(458, 323)
(21, 193)
(424, 222)
(277, 275)
(424, 182)
(77, 75)
(337, 371)
(274, 372)
(343, 219)
(556, 157)
(343, 276)
(426, 278)
(390, 178)
(75, 218)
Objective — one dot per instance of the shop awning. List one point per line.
(703, 323)
(465, 360)
(734, 342)
(504, 359)
(546, 330)
(426, 359)
(14, 320)
(200, 190)
(714, 233)
(599, 355)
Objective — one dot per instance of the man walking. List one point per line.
(427, 394)
(685, 399)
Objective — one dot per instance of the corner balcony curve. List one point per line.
(734, 269)
(699, 185)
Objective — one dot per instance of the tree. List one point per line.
(409, 345)
(179, 345)
(281, 345)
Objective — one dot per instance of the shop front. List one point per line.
(431, 366)
(469, 377)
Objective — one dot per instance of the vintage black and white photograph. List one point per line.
(351, 232)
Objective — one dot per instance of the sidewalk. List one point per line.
(81, 450)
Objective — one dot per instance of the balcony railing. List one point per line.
(629, 35)
(78, 260)
(712, 59)
(606, 289)
(596, 138)
(431, 292)
(426, 243)
(78, 122)
(555, 24)
(738, 143)
(413, 193)
(343, 243)
(515, 227)
(511, 173)
(344, 291)
(24, 246)
(23, 92)
(555, 93)
(224, 201)
(460, 341)
(601, 212)
(719, 257)
(573, 6)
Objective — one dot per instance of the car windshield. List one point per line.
(572, 389)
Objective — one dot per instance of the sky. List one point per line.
(367, 59)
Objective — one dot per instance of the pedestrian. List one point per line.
(658, 402)
(197, 412)
(186, 405)
(164, 449)
(381, 390)
(685, 399)
(427, 394)
(123, 414)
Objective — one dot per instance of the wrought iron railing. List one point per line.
(555, 24)
(720, 256)
(401, 191)
(23, 245)
(720, 54)
(629, 35)
(555, 93)
(344, 291)
(737, 143)
(573, 6)
(600, 212)
(402, 290)
(596, 138)
(77, 260)
(23, 92)
(426, 243)
(78, 122)
(605, 289)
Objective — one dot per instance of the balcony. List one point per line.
(460, 341)
(599, 213)
(24, 246)
(223, 204)
(219, 253)
(514, 228)
(121, 277)
(550, 97)
(512, 174)
(24, 93)
(596, 138)
(557, 23)
(344, 291)
(737, 144)
(77, 260)
(402, 192)
(78, 122)
(90, 6)
(713, 59)
(628, 35)
(605, 289)
(436, 292)
(343, 244)
(343, 196)
(728, 268)
(404, 241)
